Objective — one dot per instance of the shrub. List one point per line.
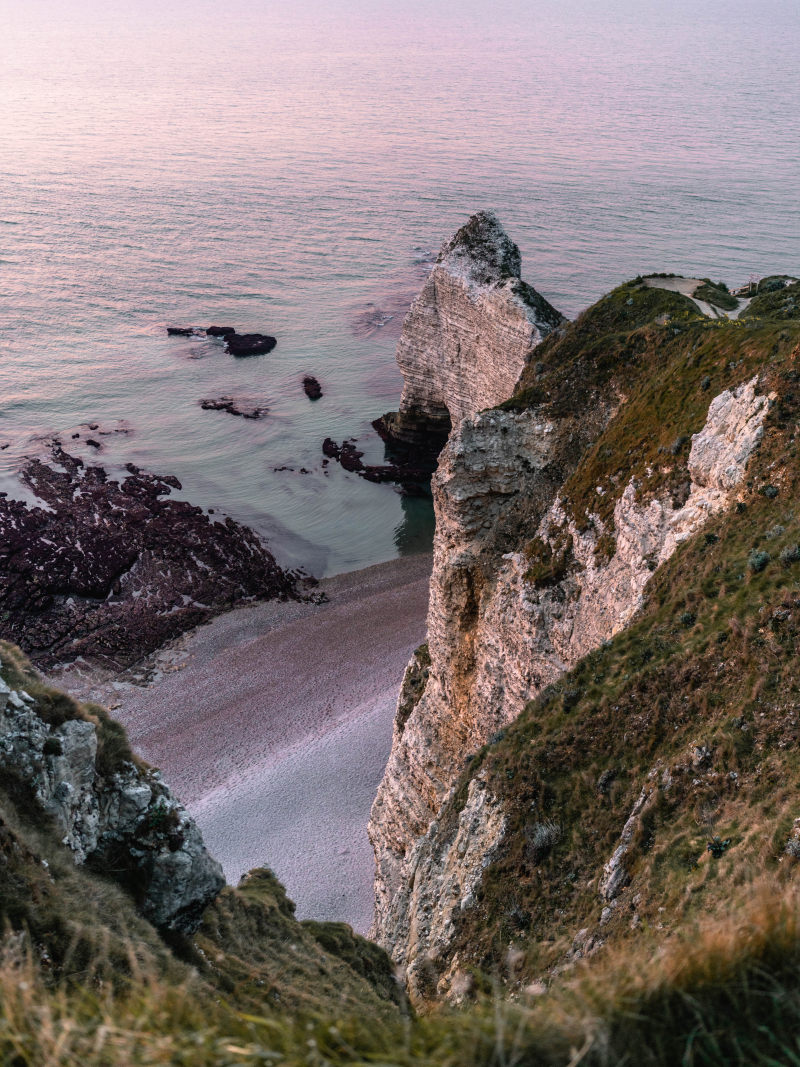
(718, 847)
(541, 837)
(757, 561)
(688, 618)
(790, 555)
(53, 747)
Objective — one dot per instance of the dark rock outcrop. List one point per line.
(350, 458)
(313, 389)
(181, 331)
(249, 344)
(219, 331)
(245, 409)
(121, 819)
(110, 569)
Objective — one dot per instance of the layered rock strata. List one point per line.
(468, 334)
(498, 635)
(124, 820)
(111, 569)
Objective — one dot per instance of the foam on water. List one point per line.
(286, 168)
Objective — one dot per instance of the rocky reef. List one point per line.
(110, 569)
(468, 334)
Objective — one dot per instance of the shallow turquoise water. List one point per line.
(286, 166)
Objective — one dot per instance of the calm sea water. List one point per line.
(289, 166)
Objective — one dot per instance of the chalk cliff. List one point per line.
(527, 579)
(468, 333)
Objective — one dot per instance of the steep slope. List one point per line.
(105, 883)
(637, 426)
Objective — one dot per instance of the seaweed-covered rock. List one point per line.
(111, 569)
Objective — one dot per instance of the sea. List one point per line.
(293, 166)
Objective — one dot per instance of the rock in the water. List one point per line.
(110, 570)
(468, 334)
(246, 409)
(249, 344)
(407, 474)
(219, 331)
(181, 331)
(313, 389)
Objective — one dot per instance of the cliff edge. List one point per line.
(633, 432)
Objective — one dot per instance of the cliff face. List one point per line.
(468, 333)
(541, 555)
(496, 640)
(111, 813)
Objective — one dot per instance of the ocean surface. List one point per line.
(292, 167)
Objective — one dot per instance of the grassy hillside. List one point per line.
(696, 702)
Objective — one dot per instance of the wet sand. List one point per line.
(273, 724)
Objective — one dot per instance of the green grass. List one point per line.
(778, 305)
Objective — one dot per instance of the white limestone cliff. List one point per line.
(469, 332)
(496, 639)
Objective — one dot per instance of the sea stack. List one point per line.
(467, 335)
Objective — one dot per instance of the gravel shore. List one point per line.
(273, 723)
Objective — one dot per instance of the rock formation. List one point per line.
(249, 344)
(245, 409)
(311, 387)
(468, 333)
(405, 472)
(121, 818)
(520, 592)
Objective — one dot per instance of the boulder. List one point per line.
(249, 344)
(312, 387)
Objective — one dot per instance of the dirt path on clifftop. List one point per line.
(273, 723)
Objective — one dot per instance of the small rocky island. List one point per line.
(237, 344)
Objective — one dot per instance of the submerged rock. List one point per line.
(350, 458)
(246, 409)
